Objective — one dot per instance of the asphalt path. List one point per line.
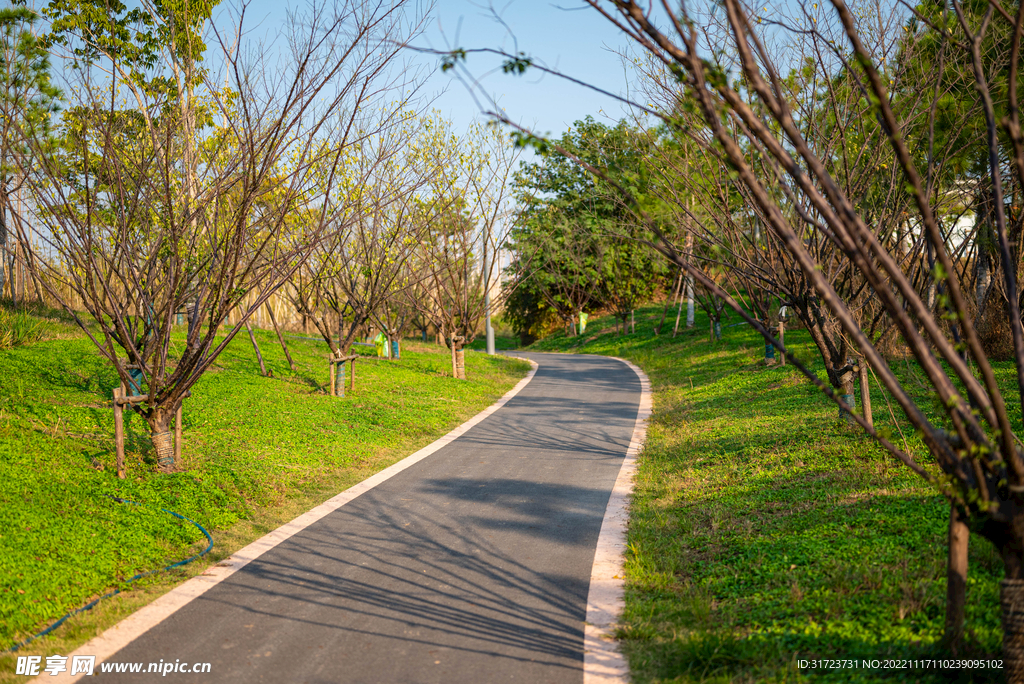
(472, 565)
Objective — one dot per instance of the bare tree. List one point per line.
(27, 99)
(972, 441)
(375, 229)
(471, 211)
(151, 207)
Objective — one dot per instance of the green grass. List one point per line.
(27, 323)
(763, 530)
(257, 452)
(501, 342)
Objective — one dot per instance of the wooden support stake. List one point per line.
(119, 430)
(177, 435)
(782, 339)
(330, 365)
(455, 368)
(352, 374)
(865, 393)
(259, 356)
(280, 337)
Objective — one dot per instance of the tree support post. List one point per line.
(455, 366)
(865, 393)
(259, 356)
(177, 435)
(280, 337)
(119, 430)
(782, 339)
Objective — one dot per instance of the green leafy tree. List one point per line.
(583, 244)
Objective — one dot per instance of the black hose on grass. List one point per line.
(92, 603)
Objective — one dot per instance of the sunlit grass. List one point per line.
(763, 530)
(257, 451)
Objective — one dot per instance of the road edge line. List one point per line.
(603, 662)
(141, 621)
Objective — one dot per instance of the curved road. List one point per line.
(472, 565)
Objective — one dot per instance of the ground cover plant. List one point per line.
(763, 530)
(257, 452)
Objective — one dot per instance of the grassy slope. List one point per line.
(762, 530)
(258, 451)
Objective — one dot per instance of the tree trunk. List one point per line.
(982, 279)
(10, 250)
(163, 444)
(690, 310)
(846, 395)
(956, 581)
(984, 240)
(35, 281)
(19, 266)
(688, 251)
(341, 333)
(1011, 600)
(458, 357)
(193, 326)
(3, 240)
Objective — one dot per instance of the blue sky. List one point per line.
(561, 34)
(578, 42)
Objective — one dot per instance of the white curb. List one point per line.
(136, 624)
(603, 662)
